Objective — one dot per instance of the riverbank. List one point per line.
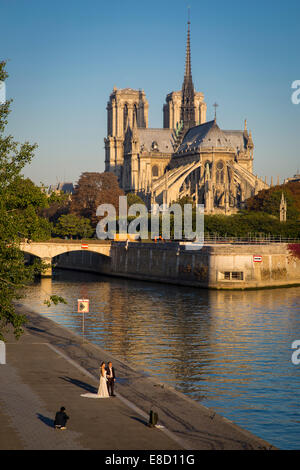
(50, 366)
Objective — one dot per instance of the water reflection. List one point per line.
(230, 350)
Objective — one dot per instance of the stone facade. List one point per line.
(125, 107)
(172, 109)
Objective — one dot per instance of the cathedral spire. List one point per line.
(188, 67)
(188, 91)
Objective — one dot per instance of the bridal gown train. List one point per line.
(102, 390)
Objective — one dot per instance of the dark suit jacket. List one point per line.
(61, 418)
(113, 372)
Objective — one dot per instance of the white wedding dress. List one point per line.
(102, 390)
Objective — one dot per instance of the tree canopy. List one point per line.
(58, 205)
(71, 225)
(268, 200)
(134, 199)
(92, 190)
(245, 223)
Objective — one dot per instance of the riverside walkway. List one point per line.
(49, 367)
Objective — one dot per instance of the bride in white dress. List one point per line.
(102, 390)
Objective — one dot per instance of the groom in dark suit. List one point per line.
(111, 377)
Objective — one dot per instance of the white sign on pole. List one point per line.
(83, 305)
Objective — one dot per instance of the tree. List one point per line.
(254, 223)
(58, 204)
(25, 200)
(20, 201)
(268, 200)
(92, 190)
(71, 225)
(185, 200)
(134, 199)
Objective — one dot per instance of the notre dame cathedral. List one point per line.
(188, 157)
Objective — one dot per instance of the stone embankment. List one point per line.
(217, 266)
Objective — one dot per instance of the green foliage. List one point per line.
(58, 198)
(254, 223)
(24, 200)
(58, 205)
(55, 300)
(185, 200)
(14, 277)
(134, 199)
(268, 200)
(24, 193)
(70, 225)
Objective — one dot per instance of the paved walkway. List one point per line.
(36, 382)
(50, 367)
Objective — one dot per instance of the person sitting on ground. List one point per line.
(61, 419)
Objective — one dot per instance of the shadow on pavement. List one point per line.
(33, 328)
(48, 421)
(80, 384)
(140, 420)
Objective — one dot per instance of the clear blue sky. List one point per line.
(65, 56)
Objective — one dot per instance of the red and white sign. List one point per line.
(83, 305)
(84, 246)
(257, 258)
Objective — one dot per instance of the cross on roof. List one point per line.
(215, 105)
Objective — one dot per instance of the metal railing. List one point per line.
(249, 239)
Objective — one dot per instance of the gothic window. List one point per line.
(135, 114)
(125, 116)
(207, 169)
(220, 172)
(155, 171)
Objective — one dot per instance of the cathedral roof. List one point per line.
(210, 135)
(204, 136)
(236, 138)
(160, 140)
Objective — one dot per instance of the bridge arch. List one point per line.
(49, 250)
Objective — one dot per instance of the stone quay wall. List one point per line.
(218, 266)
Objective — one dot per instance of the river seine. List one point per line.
(229, 350)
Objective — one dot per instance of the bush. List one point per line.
(70, 225)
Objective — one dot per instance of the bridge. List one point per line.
(48, 250)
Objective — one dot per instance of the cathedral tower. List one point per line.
(123, 108)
